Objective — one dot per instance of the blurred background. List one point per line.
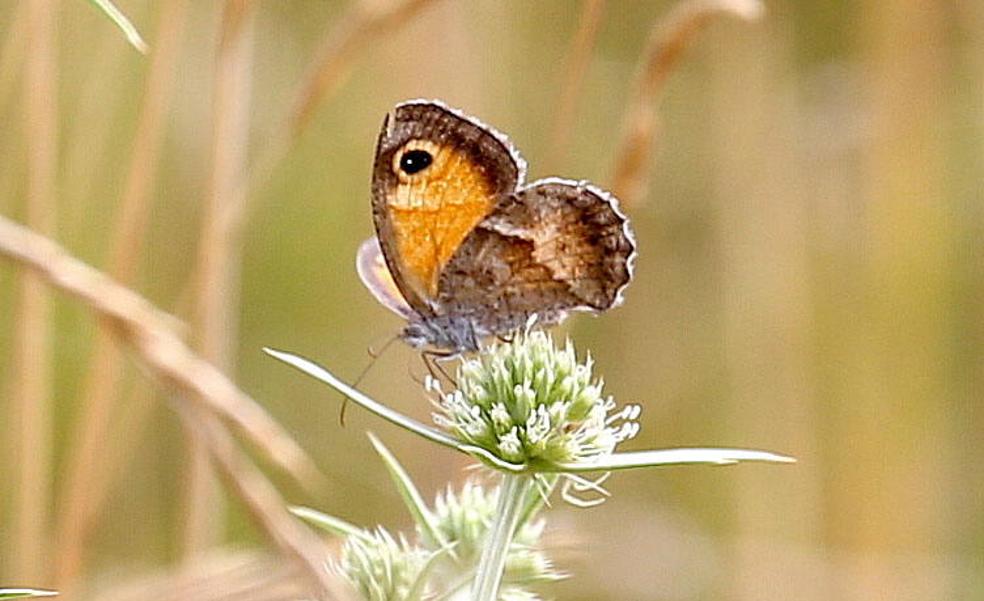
(809, 278)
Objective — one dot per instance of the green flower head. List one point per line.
(530, 402)
(380, 567)
(464, 518)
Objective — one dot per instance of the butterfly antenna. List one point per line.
(377, 354)
(373, 356)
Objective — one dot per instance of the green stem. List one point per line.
(513, 495)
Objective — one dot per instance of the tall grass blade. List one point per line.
(120, 20)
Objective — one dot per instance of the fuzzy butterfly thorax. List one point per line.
(464, 249)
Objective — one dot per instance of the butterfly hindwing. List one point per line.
(551, 247)
(376, 277)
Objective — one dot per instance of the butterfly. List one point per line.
(465, 249)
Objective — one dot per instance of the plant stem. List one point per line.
(510, 508)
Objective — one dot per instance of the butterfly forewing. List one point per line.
(437, 175)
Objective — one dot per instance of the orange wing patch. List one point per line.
(433, 211)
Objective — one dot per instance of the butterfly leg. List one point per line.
(432, 360)
(444, 372)
(431, 370)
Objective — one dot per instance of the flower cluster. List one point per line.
(528, 402)
(465, 517)
(380, 567)
(383, 567)
(536, 414)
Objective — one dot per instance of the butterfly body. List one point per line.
(466, 250)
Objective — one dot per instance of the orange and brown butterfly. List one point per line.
(465, 249)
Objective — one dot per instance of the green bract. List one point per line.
(529, 402)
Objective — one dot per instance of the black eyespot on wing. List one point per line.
(415, 161)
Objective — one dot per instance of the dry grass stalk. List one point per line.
(221, 575)
(31, 379)
(220, 248)
(166, 357)
(578, 61)
(89, 133)
(222, 229)
(88, 472)
(669, 39)
(12, 54)
(368, 20)
(264, 502)
(130, 421)
(900, 350)
(149, 332)
(762, 229)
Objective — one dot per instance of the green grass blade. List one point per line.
(329, 523)
(411, 496)
(23, 593)
(116, 16)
